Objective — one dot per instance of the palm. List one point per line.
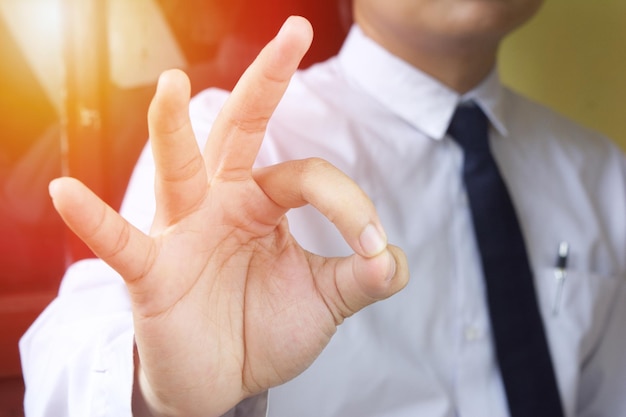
(203, 305)
(225, 302)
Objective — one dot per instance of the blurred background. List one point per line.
(76, 77)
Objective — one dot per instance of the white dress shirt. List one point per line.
(426, 351)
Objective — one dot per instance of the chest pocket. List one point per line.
(575, 309)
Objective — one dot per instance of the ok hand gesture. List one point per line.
(225, 302)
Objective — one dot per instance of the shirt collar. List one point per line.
(411, 94)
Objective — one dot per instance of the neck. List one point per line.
(461, 70)
(460, 66)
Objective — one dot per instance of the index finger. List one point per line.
(238, 131)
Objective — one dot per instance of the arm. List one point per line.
(77, 356)
(225, 303)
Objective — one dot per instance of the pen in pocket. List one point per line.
(560, 273)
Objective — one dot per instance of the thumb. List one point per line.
(352, 283)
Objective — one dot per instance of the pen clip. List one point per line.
(560, 273)
(562, 256)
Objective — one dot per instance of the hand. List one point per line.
(225, 303)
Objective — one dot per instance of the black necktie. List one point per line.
(520, 342)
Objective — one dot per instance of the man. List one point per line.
(226, 303)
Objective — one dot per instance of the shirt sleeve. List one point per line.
(77, 356)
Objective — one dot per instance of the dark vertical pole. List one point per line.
(86, 85)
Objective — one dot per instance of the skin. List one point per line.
(455, 41)
(225, 303)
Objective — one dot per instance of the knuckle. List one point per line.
(167, 123)
(185, 171)
(107, 238)
(311, 172)
(249, 123)
(312, 168)
(273, 76)
(123, 238)
(316, 162)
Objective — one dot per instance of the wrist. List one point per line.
(142, 398)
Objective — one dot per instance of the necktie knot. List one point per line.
(469, 128)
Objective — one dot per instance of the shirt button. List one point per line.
(472, 333)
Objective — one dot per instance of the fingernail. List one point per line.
(372, 240)
(392, 267)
